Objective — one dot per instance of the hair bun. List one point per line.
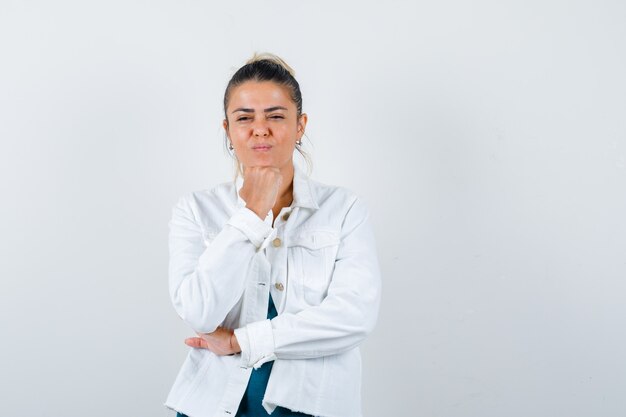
(266, 56)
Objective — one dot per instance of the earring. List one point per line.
(299, 142)
(230, 146)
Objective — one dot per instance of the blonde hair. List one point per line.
(266, 56)
(266, 66)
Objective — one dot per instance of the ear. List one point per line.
(302, 124)
(225, 125)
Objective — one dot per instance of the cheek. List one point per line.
(287, 134)
(238, 135)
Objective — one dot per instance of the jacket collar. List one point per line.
(303, 193)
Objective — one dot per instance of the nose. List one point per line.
(260, 129)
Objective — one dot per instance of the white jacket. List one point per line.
(318, 261)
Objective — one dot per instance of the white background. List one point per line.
(489, 138)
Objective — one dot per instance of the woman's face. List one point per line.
(263, 125)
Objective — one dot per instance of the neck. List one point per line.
(285, 193)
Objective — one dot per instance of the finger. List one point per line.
(196, 342)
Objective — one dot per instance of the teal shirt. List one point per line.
(250, 405)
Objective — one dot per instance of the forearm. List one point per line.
(206, 282)
(203, 297)
(341, 322)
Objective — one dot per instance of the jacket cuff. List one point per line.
(256, 230)
(256, 341)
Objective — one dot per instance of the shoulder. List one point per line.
(216, 195)
(339, 198)
(207, 205)
(344, 212)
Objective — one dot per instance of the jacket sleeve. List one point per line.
(205, 282)
(342, 320)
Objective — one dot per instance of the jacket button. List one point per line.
(276, 242)
(285, 216)
(279, 286)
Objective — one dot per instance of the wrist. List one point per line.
(259, 213)
(234, 344)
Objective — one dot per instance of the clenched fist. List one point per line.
(260, 188)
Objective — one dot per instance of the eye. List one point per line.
(277, 116)
(242, 118)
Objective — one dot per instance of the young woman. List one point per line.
(276, 273)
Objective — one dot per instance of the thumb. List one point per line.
(196, 342)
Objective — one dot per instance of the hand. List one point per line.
(260, 188)
(221, 342)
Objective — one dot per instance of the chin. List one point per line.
(262, 160)
(263, 163)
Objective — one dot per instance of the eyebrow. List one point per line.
(269, 109)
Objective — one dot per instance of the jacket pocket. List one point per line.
(314, 253)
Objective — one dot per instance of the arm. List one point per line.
(205, 283)
(343, 319)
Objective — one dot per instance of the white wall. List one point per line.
(489, 138)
